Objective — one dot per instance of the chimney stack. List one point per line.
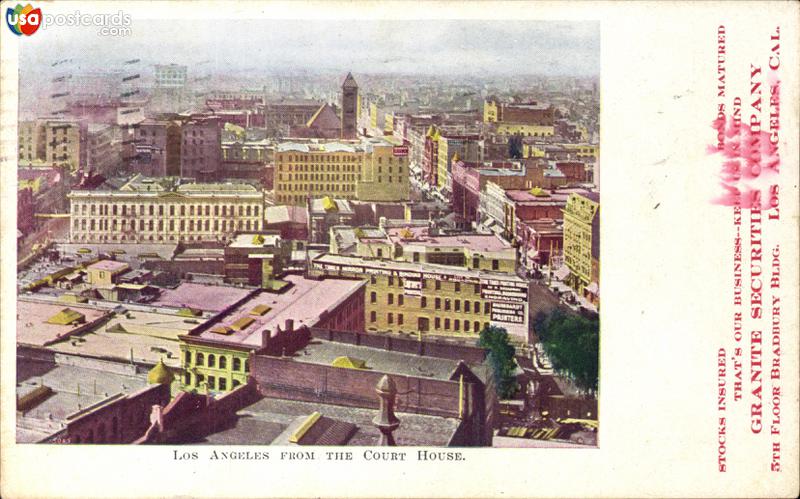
(265, 336)
(289, 324)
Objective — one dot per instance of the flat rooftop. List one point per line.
(109, 266)
(325, 352)
(205, 297)
(354, 264)
(147, 336)
(420, 236)
(254, 240)
(74, 388)
(39, 323)
(271, 420)
(304, 302)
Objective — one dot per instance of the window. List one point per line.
(457, 325)
(188, 357)
(199, 359)
(438, 285)
(477, 307)
(373, 279)
(223, 383)
(400, 319)
(236, 383)
(237, 364)
(212, 361)
(416, 257)
(380, 255)
(437, 304)
(212, 383)
(391, 278)
(390, 318)
(457, 287)
(475, 262)
(423, 302)
(476, 326)
(447, 323)
(373, 316)
(223, 362)
(437, 323)
(447, 304)
(373, 297)
(187, 379)
(400, 299)
(477, 289)
(486, 307)
(390, 299)
(495, 265)
(457, 305)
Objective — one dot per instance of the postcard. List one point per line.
(353, 249)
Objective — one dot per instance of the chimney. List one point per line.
(386, 421)
(289, 325)
(265, 336)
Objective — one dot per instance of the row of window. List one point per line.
(213, 382)
(437, 285)
(319, 188)
(305, 167)
(192, 210)
(180, 226)
(437, 303)
(437, 322)
(319, 176)
(211, 361)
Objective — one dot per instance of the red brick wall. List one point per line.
(287, 379)
(121, 421)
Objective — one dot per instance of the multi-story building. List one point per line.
(423, 244)
(157, 148)
(425, 299)
(102, 153)
(370, 169)
(522, 113)
(201, 149)
(582, 242)
(255, 259)
(454, 147)
(31, 142)
(52, 142)
(325, 213)
(216, 355)
(246, 159)
(170, 76)
(165, 210)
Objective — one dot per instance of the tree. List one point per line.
(572, 343)
(500, 354)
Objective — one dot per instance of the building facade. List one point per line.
(582, 240)
(201, 149)
(366, 170)
(165, 211)
(426, 299)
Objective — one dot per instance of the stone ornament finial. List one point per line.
(386, 421)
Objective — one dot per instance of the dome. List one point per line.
(160, 375)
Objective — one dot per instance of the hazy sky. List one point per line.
(430, 47)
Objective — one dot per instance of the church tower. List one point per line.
(349, 107)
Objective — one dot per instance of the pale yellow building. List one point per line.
(163, 210)
(52, 142)
(370, 169)
(426, 299)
